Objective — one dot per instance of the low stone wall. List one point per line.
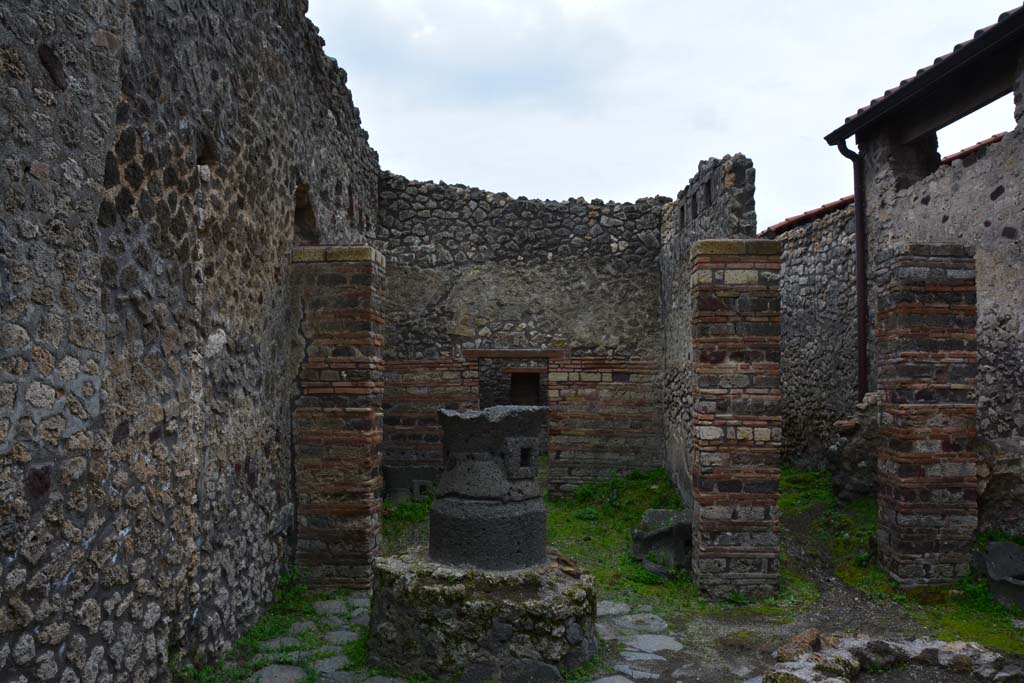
(736, 415)
(476, 626)
(337, 419)
(928, 488)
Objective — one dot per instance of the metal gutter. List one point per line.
(861, 248)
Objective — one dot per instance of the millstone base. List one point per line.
(528, 625)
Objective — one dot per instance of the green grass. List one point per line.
(965, 611)
(593, 527)
(405, 524)
(987, 537)
(799, 490)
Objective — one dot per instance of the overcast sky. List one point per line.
(620, 99)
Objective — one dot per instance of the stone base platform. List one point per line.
(469, 625)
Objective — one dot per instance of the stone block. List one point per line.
(664, 540)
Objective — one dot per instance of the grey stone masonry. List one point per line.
(819, 335)
(718, 202)
(151, 162)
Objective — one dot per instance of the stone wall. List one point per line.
(486, 279)
(976, 201)
(736, 414)
(718, 202)
(156, 170)
(475, 269)
(819, 334)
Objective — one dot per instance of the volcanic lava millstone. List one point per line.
(489, 511)
(488, 601)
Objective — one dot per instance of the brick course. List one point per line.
(337, 421)
(736, 415)
(928, 489)
(605, 419)
(414, 391)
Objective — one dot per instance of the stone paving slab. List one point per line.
(339, 637)
(609, 608)
(654, 643)
(279, 673)
(301, 627)
(330, 664)
(330, 607)
(279, 643)
(648, 623)
(642, 657)
(636, 674)
(613, 679)
(607, 631)
(341, 676)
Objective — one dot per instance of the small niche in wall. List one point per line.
(206, 154)
(525, 389)
(693, 206)
(54, 66)
(526, 457)
(305, 217)
(707, 193)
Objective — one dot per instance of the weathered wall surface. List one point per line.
(819, 334)
(718, 202)
(471, 270)
(976, 201)
(474, 269)
(148, 343)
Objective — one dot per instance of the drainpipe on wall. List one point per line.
(860, 229)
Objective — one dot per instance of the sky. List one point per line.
(619, 99)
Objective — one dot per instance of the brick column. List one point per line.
(736, 415)
(337, 419)
(927, 469)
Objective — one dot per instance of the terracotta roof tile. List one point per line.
(946, 60)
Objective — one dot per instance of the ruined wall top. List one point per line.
(429, 224)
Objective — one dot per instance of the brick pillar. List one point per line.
(927, 469)
(736, 415)
(337, 419)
